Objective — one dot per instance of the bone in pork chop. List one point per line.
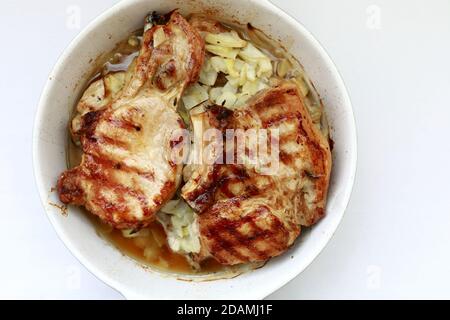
(245, 216)
(126, 173)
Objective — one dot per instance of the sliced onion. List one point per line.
(225, 39)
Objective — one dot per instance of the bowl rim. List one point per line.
(38, 123)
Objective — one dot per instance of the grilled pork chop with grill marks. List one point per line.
(245, 216)
(126, 173)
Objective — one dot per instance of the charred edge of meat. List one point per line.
(68, 188)
(156, 18)
(331, 143)
(89, 121)
(221, 115)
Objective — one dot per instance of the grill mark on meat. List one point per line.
(89, 122)
(237, 175)
(225, 235)
(106, 163)
(124, 124)
(220, 113)
(98, 169)
(111, 141)
(204, 196)
(220, 243)
(286, 158)
(148, 175)
(277, 120)
(271, 98)
(167, 31)
(248, 242)
(275, 226)
(174, 143)
(107, 206)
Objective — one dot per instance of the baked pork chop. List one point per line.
(244, 214)
(127, 173)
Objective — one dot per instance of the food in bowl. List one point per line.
(166, 146)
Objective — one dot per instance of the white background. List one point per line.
(394, 240)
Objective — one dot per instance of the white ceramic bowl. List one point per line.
(50, 139)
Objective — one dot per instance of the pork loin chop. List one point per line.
(127, 173)
(249, 216)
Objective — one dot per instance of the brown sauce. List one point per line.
(152, 249)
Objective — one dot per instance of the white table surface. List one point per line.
(394, 240)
